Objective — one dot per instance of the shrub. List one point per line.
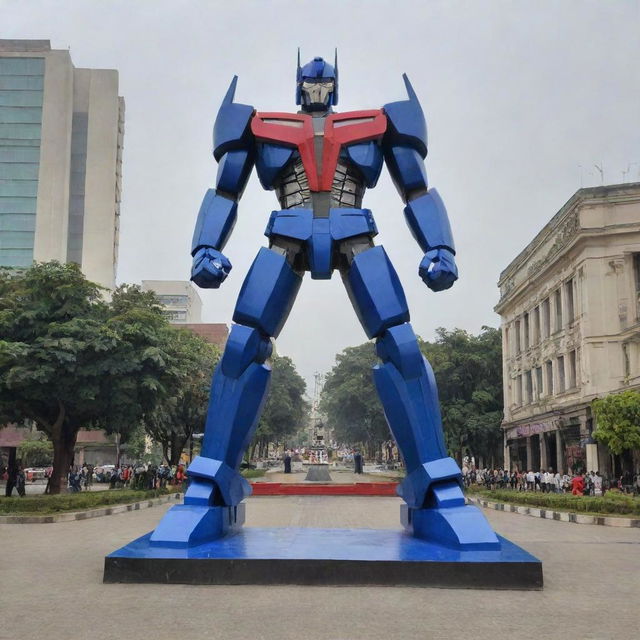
(611, 502)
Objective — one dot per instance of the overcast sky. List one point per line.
(518, 97)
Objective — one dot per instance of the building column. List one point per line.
(507, 452)
(529, 455)
(559, 453)
(544, 462)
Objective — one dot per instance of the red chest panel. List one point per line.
(340, 129)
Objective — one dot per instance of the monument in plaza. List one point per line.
(320, 163)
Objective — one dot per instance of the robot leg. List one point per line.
(435, 505)
(238, 393)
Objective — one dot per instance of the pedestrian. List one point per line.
(597, 484)
(12, 473)
(20, 481)
(577, 485)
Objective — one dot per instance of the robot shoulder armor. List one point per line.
(406, 122)
(232, 129)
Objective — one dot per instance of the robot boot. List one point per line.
(435, 506)
(212, 503)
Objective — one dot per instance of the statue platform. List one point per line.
(280, 556)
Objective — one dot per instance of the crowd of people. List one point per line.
(138, 476)
(548, 481)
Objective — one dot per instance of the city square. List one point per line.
(592, 587)
(236, 401)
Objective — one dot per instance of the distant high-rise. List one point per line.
(61, 132)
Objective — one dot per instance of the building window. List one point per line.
(539, 392)
(535, 326)
(636, 273)
(518, 394)
(626, 361)
(572, 369)
(507, 335)
(528, 387)
(561, 386)
(568, 288)
(549, 368)
(557, 299)
(527, 344)
(546, 318)
(518, 349)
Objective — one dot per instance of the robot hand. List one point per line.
(438, 269)
(210, 268)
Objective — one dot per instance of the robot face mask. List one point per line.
(316, 94)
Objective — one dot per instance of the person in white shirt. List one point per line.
(597, 484)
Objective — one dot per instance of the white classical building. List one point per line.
(61, 135)
(570, 308)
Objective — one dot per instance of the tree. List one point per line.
(286, 409)
(350, 401)
(69, 360)
(35, 452)
(468, 371)
(618, 421)
(183, 409)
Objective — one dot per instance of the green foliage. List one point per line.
(468, 371)
(252, 473)
(618, 421)
(286, 409)
(350, 402)
(189, 363)
(612, 502)
(42, 504)
(68, 359)
(35, 453)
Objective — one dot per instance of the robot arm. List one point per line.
(233, 149)
(405, 147)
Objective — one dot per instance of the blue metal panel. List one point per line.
(235, 405)
(320, 250)
(375, 292)
(291, 543)
(185, 526)
(347, 223)
(412, 411)
(290, 223)
(244, 346)
(271, 159)
(216, 219)
(232, 128)
(429, 223)
(233, 172)
(399, 345)
(367, 156)
(407, 170)
(268, 293)
(407, 125)
(463, 527)
(216, 483)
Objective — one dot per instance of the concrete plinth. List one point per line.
(281, 556)
(318, 473)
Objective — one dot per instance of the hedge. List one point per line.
(45, 504)
(611, 502)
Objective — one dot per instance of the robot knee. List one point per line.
(399, 346)
(244, 346)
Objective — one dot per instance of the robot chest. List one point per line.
(319, 140)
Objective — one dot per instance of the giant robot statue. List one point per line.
(320, 163)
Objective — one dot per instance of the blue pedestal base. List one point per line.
(324, 557)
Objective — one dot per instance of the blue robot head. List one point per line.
(317, 84)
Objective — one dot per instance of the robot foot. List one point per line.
(212, 506)
(448, 521)
(188, 525)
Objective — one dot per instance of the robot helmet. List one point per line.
(317, 84)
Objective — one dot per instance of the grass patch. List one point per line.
(612, 503)
(252, 473)
(46, 505)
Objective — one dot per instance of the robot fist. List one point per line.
(438, 269)
(210, 268)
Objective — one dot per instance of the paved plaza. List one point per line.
(51, 576)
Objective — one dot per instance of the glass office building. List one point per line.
(21, 91)
(61, 135)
